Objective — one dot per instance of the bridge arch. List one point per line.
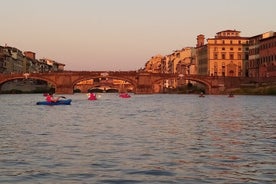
(15, 77)
(99, 76)
(84, 78)
(206, 83)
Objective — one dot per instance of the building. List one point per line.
(154, 64)
(227, 54)
(262, 55)
(201, 59)
(12, 60)
(254, 57)
(49, 65)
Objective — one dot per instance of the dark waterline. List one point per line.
(143, 139)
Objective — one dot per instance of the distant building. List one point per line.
(52, 66)
(154, 64)
(3, 59)
(201, 60)
(30, 55)
(262, 55)
(12, 60)
(227, 54)
(254, 56)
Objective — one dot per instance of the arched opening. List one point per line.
(102, 84)
(181, 86)
(25, 85)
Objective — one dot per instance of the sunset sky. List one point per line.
(123, 34)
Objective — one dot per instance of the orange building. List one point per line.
(227, 54)
(267, 53)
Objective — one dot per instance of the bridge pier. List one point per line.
(144, 83)
(144, 89)
(64, 90)
(214, 91)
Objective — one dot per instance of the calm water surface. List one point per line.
(143, 139)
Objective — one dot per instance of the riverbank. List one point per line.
(262, 90)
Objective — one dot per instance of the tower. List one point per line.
(200, 40)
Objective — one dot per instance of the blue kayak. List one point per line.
(60, 102)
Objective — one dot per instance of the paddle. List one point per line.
(62, 97)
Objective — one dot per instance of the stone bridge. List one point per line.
(143, 82)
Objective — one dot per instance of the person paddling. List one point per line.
(92, 96)
(50, 98)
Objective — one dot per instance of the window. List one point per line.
(215, 55)
(223, 56)
(239, 56)
(231, 56)
(216, 64)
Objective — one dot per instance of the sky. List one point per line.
(122, 35)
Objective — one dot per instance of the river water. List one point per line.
(142, 139)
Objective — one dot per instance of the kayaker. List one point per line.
(124, 95)
(201, 94)
(50, 98)
(92, 96)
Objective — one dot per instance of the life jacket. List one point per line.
(92, 96)
(49, 98)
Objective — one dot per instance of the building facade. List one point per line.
(201, 58)
(268, 56)
(254, 56)
(227, 54)
(12, 60)
(154, 64)
(262, 55)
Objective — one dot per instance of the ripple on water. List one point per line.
(144, 139)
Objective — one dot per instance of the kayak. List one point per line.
(59, 102)
(124, 95)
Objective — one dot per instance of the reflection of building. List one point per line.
(227, 54)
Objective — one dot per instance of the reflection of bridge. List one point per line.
(143, 82)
